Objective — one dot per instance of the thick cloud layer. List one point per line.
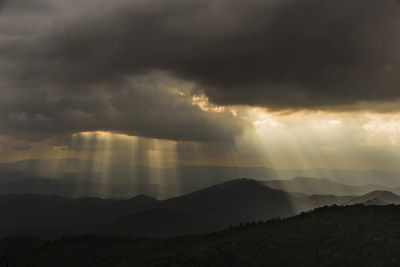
(148, 106)
(79, 65)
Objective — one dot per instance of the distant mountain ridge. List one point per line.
(193, 178)
(210, 209)
(315, 186)
(206, 210)
(71, 186)
(75, 188)
(376, 198)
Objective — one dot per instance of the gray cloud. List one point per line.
(81, 66)
(317, 54)
(146, 106)
(295, 53)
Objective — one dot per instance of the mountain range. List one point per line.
(311, 186)
(70, 185)
(210, 209)
(183, 179)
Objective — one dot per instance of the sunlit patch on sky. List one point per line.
(292, 140)
(268, 139)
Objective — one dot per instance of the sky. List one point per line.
(286, 84)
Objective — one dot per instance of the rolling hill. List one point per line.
(311, 186)
(375, 198)
(210, 209)
(193, 178)
(330, 236)
(206, 210)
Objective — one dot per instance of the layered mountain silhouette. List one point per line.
(312, 186)
(70, 185)
(202, 211)
(376, 198)
(74, 188)
(211, 209)
(136, 179)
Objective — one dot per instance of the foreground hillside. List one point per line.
(335, 236)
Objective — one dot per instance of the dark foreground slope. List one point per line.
(335, 236)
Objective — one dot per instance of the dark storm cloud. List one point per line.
(316, 53)
(81, 66)
(306, 53)
(143, 107)
(52, 86)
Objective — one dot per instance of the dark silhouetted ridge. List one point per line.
(331, 236)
